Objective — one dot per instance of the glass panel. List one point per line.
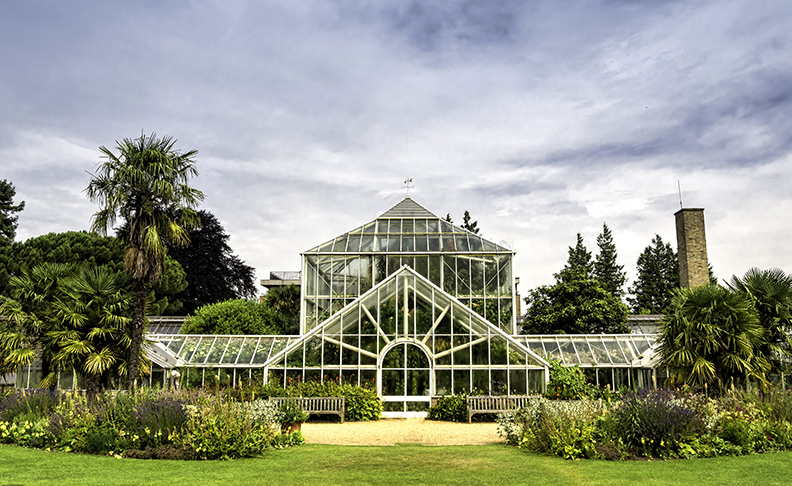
(434, 243)
(407, 243)
(353, 245)
(394, 226)
(517, 385)
(407, 226)
(461, 381)
(369, 228)
(433, 226)
(421, 243)
(462, 243)
(443, 382)
(232, 351)
(367, 243)
(475, 243)
(420, 226)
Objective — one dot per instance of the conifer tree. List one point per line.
(466, 224)
(657, 277)
(8, 220)
(579, 258)
(610, 274)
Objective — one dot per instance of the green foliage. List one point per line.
(579, 258)
(213, 272)
(235, 316)
(654, 424)
(292, 413)
(144, 424)
(565, 429)
(143, 185)
(576, 304)
(713, 337)
(451, 408)
(566, 383)
(92, 250)
(8, 218)
(657, 277)
(70, 317)
(284, 302)
(362, 403)
(610, 274)
(467, 225)
(771, 293)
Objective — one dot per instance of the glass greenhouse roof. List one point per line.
(209, 350)
(586, 350)
(408, 227)
(594, 350)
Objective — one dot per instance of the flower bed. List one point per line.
(183, 424)
(654, 424)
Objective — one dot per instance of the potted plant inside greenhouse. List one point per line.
(292, 416)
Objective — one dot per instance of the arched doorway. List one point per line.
(405, 378)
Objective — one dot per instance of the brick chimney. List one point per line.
(691, 247)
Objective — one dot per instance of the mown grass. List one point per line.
(402, 464)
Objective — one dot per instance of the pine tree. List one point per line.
(610, 274)
(657, 277)
(580, 258)
(466, 224)
(8, 221)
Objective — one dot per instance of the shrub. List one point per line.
(235, 316)
(655, 423)
(36, 403)
(223, 430)
(565, 429)
(452, 408)
(566, 383)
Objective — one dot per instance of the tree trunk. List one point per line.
(92, 386)
(138, 324)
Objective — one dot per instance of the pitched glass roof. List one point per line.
(594, 350)
(408, 227)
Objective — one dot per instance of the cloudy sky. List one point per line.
(541, 118)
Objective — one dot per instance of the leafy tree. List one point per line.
(8, 220)
(94, 251)
(214, 273)
(143, 185)
(466, 224)
(771, 293)
(284, 302)
(713, 337)
(610, 274)
(576, 304)
(579, 258)
(235, 316)
(657, 277)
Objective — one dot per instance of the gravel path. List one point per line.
(397, 431)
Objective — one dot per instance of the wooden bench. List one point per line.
(496, 404)
(316, 405)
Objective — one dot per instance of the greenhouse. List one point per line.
(412, 306)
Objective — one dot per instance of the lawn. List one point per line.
(402, 464)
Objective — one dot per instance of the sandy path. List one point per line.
(393, 431)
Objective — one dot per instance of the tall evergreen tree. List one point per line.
(610, 274)
(466, 224)
(580, 258)
(657, 277)
(8, 220)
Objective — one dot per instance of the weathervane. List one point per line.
(408, 184)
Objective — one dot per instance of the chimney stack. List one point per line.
(691, 248)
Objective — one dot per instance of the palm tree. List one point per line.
(771, 292)
(713, 337)
(143, 185)
(30, 316)
(94, 337)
